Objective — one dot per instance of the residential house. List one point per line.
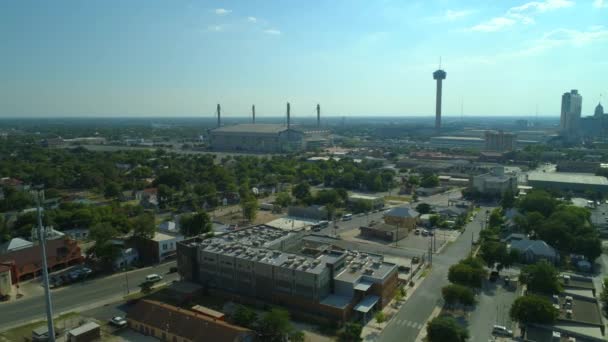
(148, 198)
(170, 323)
(127, 257)
(404, 217)
(77, 233)
(532, 251)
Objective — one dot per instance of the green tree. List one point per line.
(111, 190)
(301, 191)
(283, 199)
(604, 296)
(508, 199)
(423, 208)
(351, 332)
(454, 293)
(250, 208)
(143, 226)
(413, 180)
(429, 181)
(275, 325)
(467, 272)
(539, 201)
(104, 249)
(244, 317)
(380, 316)
(533, 309)
(493, 252)
(434, 220)
(541, 278)
(192, 225)
(496, 219)
(445, 329)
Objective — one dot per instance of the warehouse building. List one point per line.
(562, 181)
(457, 142)
(325, 282)
(496, 182)
(259, 138)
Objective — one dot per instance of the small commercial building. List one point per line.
(374, 202)
(312, 212)
(532, 251)
(159, 248)
(562, 181)
(387, 232)
(403, 217)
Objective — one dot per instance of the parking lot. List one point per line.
(411, 240)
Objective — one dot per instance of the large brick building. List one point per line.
(326, 282)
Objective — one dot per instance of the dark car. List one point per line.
(494, 276)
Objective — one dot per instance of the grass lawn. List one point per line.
(25, 331)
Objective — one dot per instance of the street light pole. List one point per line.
(45, 271)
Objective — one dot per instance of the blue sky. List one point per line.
(355, 57)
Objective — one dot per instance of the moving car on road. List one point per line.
(118, 321)
(153, 278)
(501, 331)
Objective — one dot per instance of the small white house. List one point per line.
(166, 244)
(127, 257)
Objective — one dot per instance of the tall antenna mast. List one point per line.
(45, 268)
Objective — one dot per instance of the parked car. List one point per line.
(415, 260)
(417, 231)
(118, 321)
(153, 278)
(323, 224)
(173, 269)
(347, 217)
(494, 276)
(501, 331)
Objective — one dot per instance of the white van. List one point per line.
(501, 331)
(347, 217)
(153, 278)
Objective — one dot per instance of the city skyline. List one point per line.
(354, 58)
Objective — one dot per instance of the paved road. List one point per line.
(78, 296)
(493, 305)
(410, 319)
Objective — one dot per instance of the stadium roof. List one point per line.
(252, 128)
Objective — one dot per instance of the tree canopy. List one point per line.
(446, 329)
(533, 309)
(541, 277)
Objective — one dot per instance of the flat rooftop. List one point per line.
(364, 197)
(361, 265)
(448, 137)
(566, 177)
(252, 128)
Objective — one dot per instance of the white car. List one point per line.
(153, 278)
(501, 331)
(118, 321)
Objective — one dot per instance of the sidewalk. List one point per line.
(372, 329)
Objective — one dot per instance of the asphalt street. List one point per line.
(411, 318)
(79, 296)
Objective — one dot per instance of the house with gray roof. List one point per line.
(532, 251)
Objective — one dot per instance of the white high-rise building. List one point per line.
(571, 114)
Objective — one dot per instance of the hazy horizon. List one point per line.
(157, 58)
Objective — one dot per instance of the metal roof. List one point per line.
(367, 303)
(252, 128)
(403, 212)
(566, 177)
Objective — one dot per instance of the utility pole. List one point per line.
(45, 270)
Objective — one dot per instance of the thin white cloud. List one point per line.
(600, 4)
(451, 15)
(523, 14)
(272, 32)
(252, 19)
(542, 6)
(493, 25)
(215, 28)
(564, 38)
(222, 11)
